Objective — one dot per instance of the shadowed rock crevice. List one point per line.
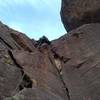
(80, 65)
(14, 60)
(25, 81)
(9, 46)
(58, 65)
(66, 88)
(61, 58)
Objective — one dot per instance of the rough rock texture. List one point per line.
(80, 50)
(67, 68)
(26, 69)
(75, 13)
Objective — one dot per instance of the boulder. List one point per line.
(75, 13)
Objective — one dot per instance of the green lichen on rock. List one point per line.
(8, 60)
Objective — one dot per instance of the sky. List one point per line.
(35, 18)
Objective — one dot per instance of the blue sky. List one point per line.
(33, 17)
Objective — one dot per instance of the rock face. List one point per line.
(75, 13)
(81, 61)
(27, 68)
(67, 68)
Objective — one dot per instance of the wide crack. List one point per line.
(25, 81)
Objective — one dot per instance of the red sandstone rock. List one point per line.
(75, 13)
(82, 69)
(64, 69)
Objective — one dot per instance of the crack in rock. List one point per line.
(9, 46)
(58, 66)
(25, 81)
